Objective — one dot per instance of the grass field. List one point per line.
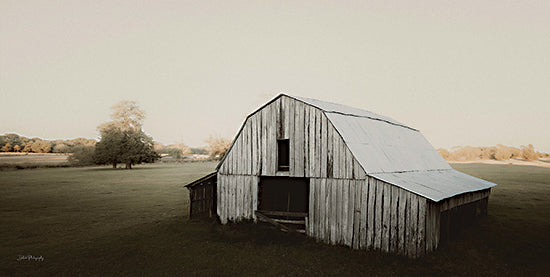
(102, 221)
(32, 160)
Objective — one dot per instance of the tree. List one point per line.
(217, 146)
(503, 152)
(41, 146)
(123, 140)
(528, 152)
(16, 148)
(444, 153)
(27, 147)
(82, 155)
(7, 148)
(109, 149)
(61, 147)
(137, 148)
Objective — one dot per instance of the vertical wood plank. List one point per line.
(292, 135)
(333, 210)
(255, 181)
(280, 123)
(430, 236)
(218, 197)
(273, 141)
(378, 220)
(330, 151)
(237, 155)
(358, 172)
(221, 202)
(437, 225)
(328, 209)
(253, 145)
(349, 162)
(324, 146)
(339, 200)
(242, 201)
(371, 212)
(299, 134)
(323, 205)
(413, 223)
(345, 211)
(312, 211)
(224, 199)
(336, 155)
(227, 197)
(363, 221)
(421, 236)
(250, 203)
(386, 217)
(249, 147)
(321, 209)
(402, 215)
(286, 115)
(245, 146)
(357, 214)
(351, 211)
(263, 155)
(308, 141)
(231, 199)
(318, 135)
(343, 159)
(393, 218)
(239, 198)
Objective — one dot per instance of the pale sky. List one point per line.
(462, 72)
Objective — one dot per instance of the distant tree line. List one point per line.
(122, 140)
(19, 144)
(498, 152)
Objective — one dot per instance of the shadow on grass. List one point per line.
(179, 246)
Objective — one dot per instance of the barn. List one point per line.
(343, 176)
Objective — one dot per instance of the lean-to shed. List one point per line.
(348, 176)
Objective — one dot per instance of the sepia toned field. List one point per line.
(103, 221)
(32, 160)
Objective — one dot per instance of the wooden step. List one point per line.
(285, 225)
(280, 213)
(289, 221)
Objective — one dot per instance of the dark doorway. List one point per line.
(284, 194)
(283, 148)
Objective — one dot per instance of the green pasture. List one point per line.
(102, 221)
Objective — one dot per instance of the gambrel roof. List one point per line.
(395, 153)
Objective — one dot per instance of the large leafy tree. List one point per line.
(123, 140)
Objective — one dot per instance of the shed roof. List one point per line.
(397, 154)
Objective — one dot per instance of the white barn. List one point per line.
(349, 176)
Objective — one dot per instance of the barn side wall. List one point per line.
(370, 214)
(316, 148)
(237, 197)
(464, 198)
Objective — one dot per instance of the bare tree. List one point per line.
(217, 146)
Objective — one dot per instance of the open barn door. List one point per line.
(284, 202)
(283, 194)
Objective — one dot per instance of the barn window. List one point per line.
(283, 150)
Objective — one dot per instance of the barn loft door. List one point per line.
(284, 194)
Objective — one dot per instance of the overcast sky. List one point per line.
(462, 72)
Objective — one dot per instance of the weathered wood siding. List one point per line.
(464, 198)
(202, 199)
(371, 214)
(237, 197)
(316, 148)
